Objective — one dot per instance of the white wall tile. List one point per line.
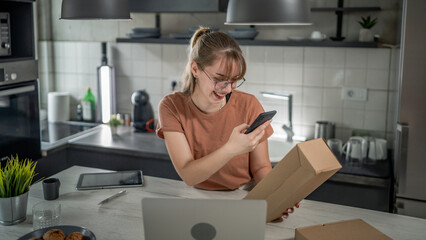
(312, 97)
(95, 50)
(70, 64)
(70, 49)
(139, 52)
(82, 50)
(139, 68)
(314, 57)
(356, 58)
(293, 56)
(356, 105)
(313, 76)
(153, 69)
(393, 79)
(123, 68)
(377, 79)
(83, 65)
(58, 49)
(293, 75)
(343, 134)
(123, 51)
(377, 100)
(332, 97)
(255, 73)
(355, 77)
(379, 58)
(334, 115)
(334, 77)
(170, 52)
(256, 54)
(310, 115)
(353, 118)
(274, 55)
(138, 83)
(274, 73)
(375, 120)
(334, 57)
(154, 86)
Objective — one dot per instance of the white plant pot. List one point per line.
(13, 210)
(365, 35)
(113, 130)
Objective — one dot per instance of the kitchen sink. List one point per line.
(278, 147)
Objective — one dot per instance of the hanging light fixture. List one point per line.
(268, 12)
(95, 10)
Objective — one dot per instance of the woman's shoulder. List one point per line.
(174, 98)
(244, 96)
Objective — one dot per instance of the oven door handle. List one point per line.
(19, 90)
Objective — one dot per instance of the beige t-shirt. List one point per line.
(206, 133)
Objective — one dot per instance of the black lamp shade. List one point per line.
(95, 9)
(268, 12)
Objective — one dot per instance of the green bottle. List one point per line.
(89, 106)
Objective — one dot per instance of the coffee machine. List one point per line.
(143, 115)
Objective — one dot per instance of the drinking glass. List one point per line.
(354, 153)
(46, 214)
(335, 146)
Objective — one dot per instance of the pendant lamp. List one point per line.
(95, 10)
(268, 12)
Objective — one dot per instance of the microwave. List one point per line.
(5, 38)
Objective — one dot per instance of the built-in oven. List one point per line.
(19, 110)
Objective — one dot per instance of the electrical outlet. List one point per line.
(354, 94)
(172, 84)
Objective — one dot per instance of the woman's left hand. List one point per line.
(290, 210)
(286, 213)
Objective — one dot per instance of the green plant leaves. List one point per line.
(367, 22)
(16, 177)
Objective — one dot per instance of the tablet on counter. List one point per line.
(119, 179)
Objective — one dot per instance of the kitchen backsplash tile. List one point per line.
(334, 58)
(377, 79)
(314, 57)
(379, 59)
(356, 58)
(355, 77)
(334, 77)
(315, 77)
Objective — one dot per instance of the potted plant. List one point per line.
(113, 123)
(15, 180)
(365, 34)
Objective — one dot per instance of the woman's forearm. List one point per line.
(199, 170)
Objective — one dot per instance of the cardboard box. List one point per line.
(300, 172)
(350, 229)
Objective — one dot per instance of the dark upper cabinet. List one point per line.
(177, 6)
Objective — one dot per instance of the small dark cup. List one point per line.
(51, 188)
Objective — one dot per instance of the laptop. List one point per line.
(203, 219)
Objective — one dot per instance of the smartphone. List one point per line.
(261, 119)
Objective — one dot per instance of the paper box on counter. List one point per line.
(353, 229)
(300, 172)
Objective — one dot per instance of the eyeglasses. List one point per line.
(219, 85)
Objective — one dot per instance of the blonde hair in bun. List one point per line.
(206, 47)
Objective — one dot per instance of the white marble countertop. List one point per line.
(122, 217)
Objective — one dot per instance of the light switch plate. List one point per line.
(354, 94)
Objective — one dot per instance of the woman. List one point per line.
(203, 126)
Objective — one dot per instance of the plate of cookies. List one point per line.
(61, 232)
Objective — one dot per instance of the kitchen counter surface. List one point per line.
(122, 217)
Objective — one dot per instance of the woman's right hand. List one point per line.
(239, 143)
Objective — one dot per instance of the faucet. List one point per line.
(289, 97)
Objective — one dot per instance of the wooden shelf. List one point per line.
(303, 43)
